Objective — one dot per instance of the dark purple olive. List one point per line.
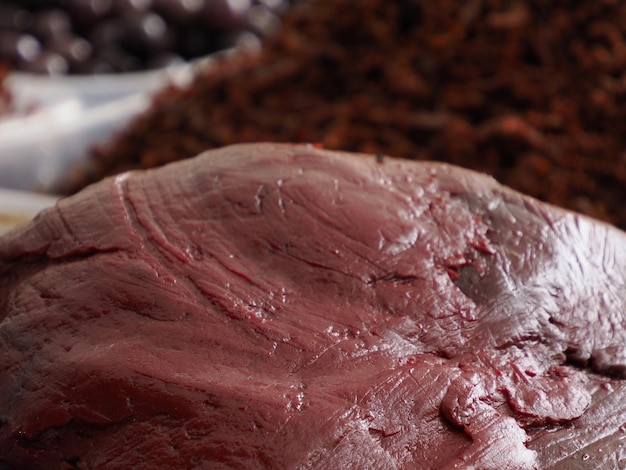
(146, 34)
(74, 49)
(226, 15)
(130, 7)
(87, 13)
(107, 32)
(37, 4)
(179, 12)
(14, 18)
(47, 63)
(49, 23)
(18, 48)
(120, 60)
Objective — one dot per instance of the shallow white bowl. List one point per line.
(58, 119)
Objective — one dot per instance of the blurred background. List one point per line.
(532, 92)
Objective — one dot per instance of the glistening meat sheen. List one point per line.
(283, 306)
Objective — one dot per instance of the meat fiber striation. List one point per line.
(279, 306)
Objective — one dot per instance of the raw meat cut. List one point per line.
(279, 306)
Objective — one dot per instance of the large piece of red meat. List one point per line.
(277, 306)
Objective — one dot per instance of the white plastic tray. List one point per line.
(59, 118)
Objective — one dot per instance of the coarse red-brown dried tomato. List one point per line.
(532, 92)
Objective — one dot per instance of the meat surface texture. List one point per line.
(279, 306)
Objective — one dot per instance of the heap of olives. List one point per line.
(113, 36)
